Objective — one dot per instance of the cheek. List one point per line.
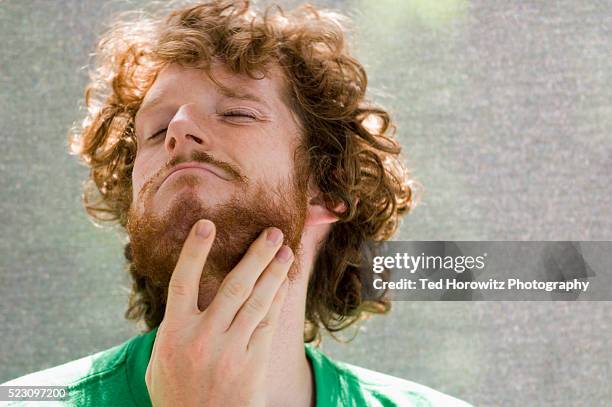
(137, 182)
(275, 152)
(143, 170)
(270, 162)
(281, 160)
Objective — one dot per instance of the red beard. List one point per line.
(156, 241)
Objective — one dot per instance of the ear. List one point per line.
(318, 213)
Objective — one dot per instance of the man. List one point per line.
(241, 157)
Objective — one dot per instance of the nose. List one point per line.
(184, 134)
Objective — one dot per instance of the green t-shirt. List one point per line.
(116, 377)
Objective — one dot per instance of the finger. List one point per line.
(185, 281)
(257, 306)
(261, 339)
(238, 284)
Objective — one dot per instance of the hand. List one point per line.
(219, 356)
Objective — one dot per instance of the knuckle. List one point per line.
(234, 289)
(178, 288)
(262, 252)
(190, 254)
(254, 305)
(279, 272)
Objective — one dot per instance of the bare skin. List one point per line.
(215, 357)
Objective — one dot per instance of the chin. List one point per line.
(171, 195)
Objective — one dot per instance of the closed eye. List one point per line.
(241, 115)
(159, 133)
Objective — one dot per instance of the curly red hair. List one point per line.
(352, 153)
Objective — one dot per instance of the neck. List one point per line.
(290, 379)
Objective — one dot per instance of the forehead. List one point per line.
(267, 88)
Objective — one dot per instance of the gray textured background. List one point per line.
(504, 109)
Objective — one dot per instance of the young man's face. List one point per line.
(237, 148)
(256, 138)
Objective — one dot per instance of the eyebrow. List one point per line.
(235, 94)
(152, 103)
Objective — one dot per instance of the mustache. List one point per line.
(198, 156)
(205, 158)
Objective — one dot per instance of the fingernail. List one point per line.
(203, 229)
(283, 254)
(274, 235)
